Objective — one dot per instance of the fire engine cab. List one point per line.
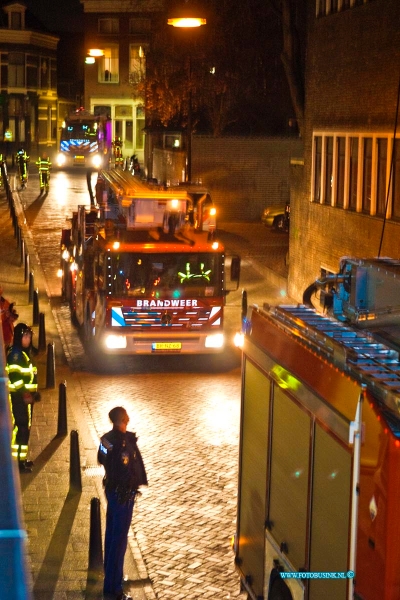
(143, 271)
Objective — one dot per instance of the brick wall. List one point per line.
(244, 174)
(352, 77)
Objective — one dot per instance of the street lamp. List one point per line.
(186, 16)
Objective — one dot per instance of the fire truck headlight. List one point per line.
(96, 161)
(115, 342)
(238, 340)
(60, 160)
(215, 341)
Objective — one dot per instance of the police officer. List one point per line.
(23, 391)
(125, 472)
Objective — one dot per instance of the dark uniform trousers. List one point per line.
(118, 521)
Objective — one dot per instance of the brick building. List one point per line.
(346, 198)
(28, 82)
(121, 31)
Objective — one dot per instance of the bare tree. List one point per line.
(292, 56)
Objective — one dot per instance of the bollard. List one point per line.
(51, 367)
(12, 208)
(42, 332)
(18, 235)
(244, 304)
(75, 480)
(14, 222)
(35, 316)
(22, 252)
(62, 410)
(31, 287)
(95, 545)
(26, 269)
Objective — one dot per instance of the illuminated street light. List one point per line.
(95, 52)
(187, 16)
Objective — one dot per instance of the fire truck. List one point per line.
(319, 469)
(85, 140)
(143, 272)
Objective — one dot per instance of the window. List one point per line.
(109, 65)
(139, 25)
(353, 167)
(16, 69)
(327, 7)
(16, 20)
(340, 167)
(328, 170)
(367, 173)
(382, 145)
(32, 77)
(334, 6)
(123, 110)
(137, 64)
(108, 26)
(44, 73)
(102, 110)
(317, 168)
(353, 171)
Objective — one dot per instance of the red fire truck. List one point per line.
(85, 140)
(143, 271)
(319, 473)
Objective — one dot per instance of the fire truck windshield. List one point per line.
(164, 275)
(79, 131)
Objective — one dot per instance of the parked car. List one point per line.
(277, 216)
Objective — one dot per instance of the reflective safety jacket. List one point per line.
(22, 374)
(43, 164)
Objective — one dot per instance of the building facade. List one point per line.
(346, 198)
(121, 32)
(28, 84)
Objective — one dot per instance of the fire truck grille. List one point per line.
(178, 319)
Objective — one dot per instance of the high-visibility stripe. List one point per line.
(12, 533)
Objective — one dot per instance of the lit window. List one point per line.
(109, 65)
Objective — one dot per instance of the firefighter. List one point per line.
(44, 164)
(117, 147)
(22, 160)
(23, 388)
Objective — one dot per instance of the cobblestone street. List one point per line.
(185, 411)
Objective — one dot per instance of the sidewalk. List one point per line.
(56, 516)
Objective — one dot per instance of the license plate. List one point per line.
(166, 346)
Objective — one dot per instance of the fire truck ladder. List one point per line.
(356, 352)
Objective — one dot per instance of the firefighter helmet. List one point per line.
(19, 332)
